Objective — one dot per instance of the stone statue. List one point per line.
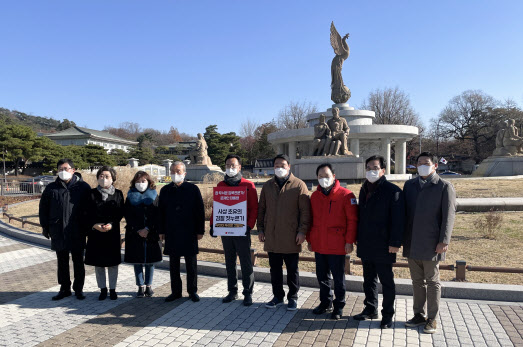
(198, 155)
(508, 141)
(339, 92)
(339, 132)
(500, 151)
(512, 142)
(322, 138)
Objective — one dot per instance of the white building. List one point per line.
(82, 137)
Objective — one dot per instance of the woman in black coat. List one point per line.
(105, 209)
(142, 247)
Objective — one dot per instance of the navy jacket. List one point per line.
(381, 222)
(62, 213)
(181, 218)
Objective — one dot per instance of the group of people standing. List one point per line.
(70, 211)
(420, 218)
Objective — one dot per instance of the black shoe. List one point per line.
(386, 322)
(194, 297)
(337, 312)
(173, 297)
(140, 293)
(418, 319)
(322, 308)
(79, 295)
(103, 294)
(366, 314)
(292, 305)
(62, 294)
(247, 300)
(112, 294)
(149, 291)
(230, 297)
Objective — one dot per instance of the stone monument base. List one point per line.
(500, 166)
(348, 169)
(196, 172)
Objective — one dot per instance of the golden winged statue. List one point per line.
(339, 92)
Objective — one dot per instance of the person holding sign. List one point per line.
(237, 245)
(284, 214)
(332, 235)
(181, 223)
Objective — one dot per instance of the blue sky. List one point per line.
(190, 64)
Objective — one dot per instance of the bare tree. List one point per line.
(391, 106)
(294, 115)
(248, 128)
(472, 117)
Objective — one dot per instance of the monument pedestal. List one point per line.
(195, 172)
(500, 166)
(348, 169)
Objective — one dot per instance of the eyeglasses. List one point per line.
(372, 168)
(230, 166)
(65, 169)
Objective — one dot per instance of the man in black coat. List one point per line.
(380, 231)
(181, 224)
(61, 216)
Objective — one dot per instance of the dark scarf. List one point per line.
(137, 198)
(327, 190)
(422, 181)
(72, 181)
(281, 181)
(234, 180)
(370, 188)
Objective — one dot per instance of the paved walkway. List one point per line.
(29, 317)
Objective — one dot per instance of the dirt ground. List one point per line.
(467, 244)
(476, 188)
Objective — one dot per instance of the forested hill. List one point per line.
(38, 124)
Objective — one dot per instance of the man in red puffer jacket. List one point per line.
(333, 232)
(239, 246)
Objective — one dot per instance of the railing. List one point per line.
(460, 267)
(15, 186)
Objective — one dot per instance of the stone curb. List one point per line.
(488, 204)
(454, 290)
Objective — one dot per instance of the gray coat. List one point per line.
(430, 213)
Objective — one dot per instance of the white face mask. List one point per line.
(325, 182)
(280, 172)
(231, 171)
(65, 175)
(177, 178)
(141, 187)
(104, 182)
(425, 170)
(372, 175)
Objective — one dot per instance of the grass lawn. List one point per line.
(467, 244)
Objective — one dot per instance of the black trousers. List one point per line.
(371, 272)
(327, 264)
(276, 261)
(191, 269)
(64, 277)
(233, 247)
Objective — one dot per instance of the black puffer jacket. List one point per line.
(381, 222)
(141, 211)
(182, 218)
(104, 248)
(61, 213)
